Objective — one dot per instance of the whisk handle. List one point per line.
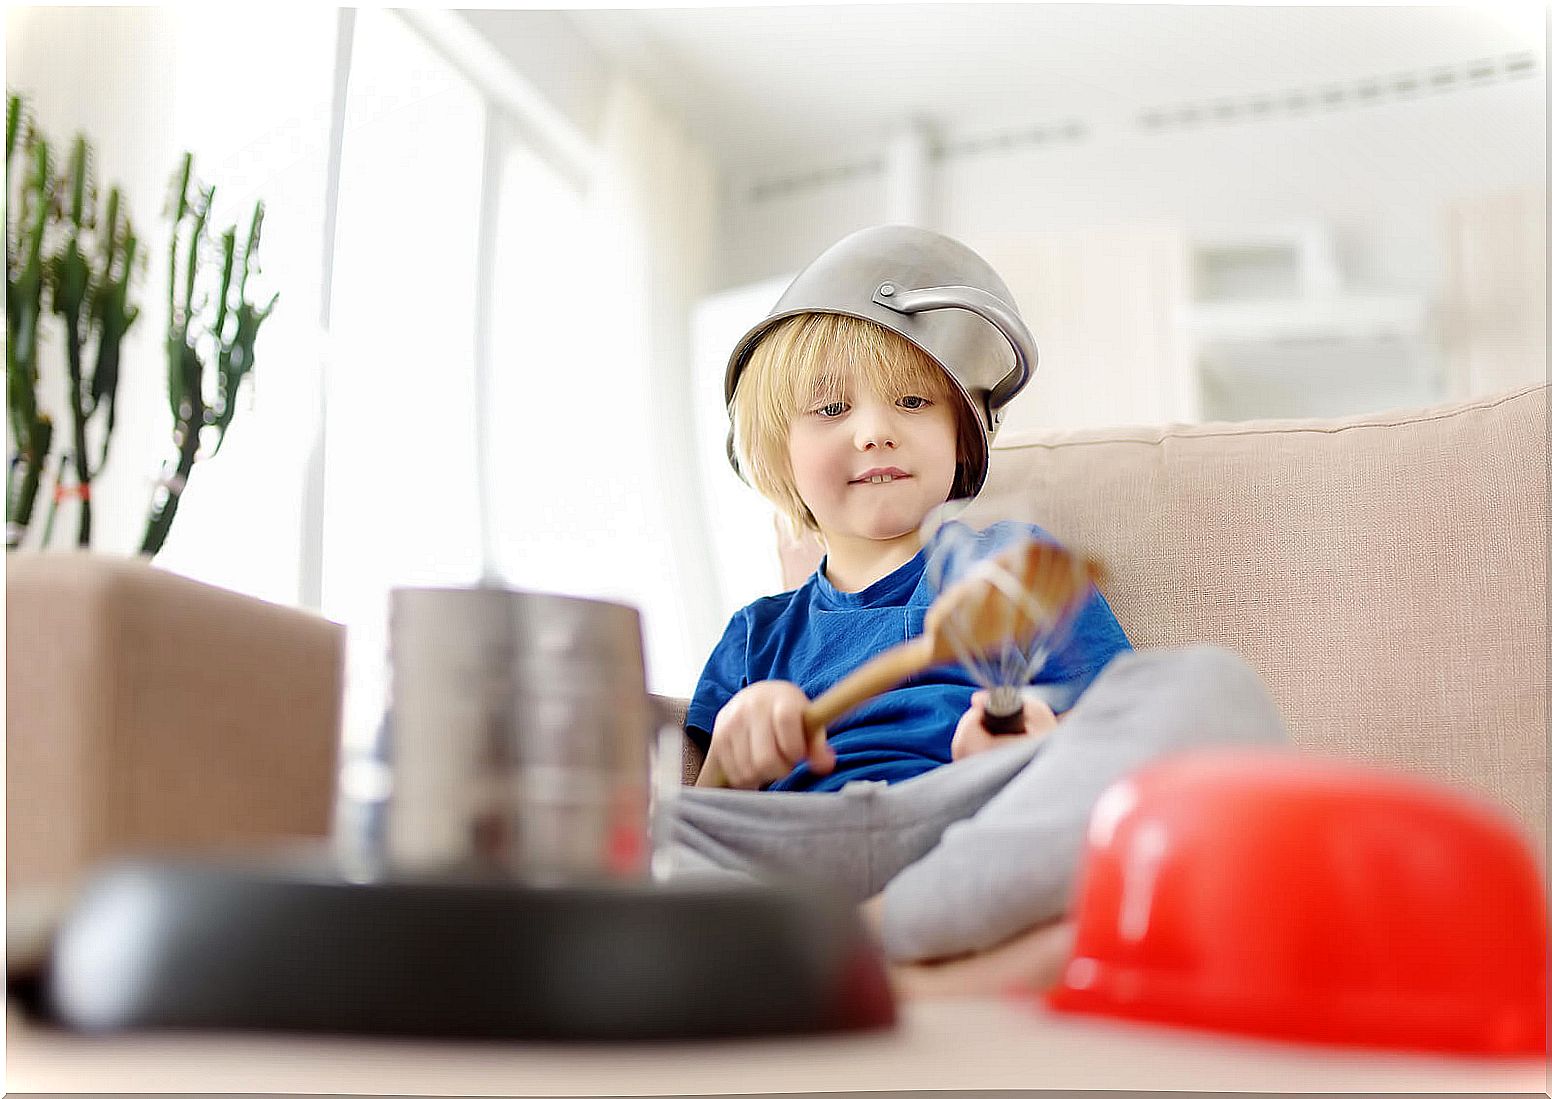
(873, 678)
(1004, 724)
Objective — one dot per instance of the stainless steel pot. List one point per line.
(517, 741)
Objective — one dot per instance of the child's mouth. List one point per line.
(881, 479)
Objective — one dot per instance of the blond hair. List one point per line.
(807, 358)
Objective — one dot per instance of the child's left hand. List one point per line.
(970, 735)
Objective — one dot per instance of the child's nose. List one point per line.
(875, 429)
(876, 422)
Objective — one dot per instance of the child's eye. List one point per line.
(915, 403)
(831, 410)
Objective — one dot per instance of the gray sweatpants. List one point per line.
(973, 852)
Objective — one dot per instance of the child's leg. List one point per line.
(853, 840)
(1012, 865)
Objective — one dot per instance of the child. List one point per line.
(855, 430)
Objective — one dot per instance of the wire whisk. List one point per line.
(1003, 642)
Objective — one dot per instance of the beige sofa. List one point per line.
(1385, 573)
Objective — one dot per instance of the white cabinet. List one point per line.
(1276, 333)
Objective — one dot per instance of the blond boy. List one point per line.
(963, 844)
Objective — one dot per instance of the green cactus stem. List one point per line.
(70, 279)
(224, 320)
(112, 315)
(31, 429)
(13, 118)
(30, 476)
(169, 493)
(235, 358)
(55, 499)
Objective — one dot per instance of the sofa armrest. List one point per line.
(694, 760)
(148, 712)
(674, 710)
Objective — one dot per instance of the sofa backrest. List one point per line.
(1386, 573)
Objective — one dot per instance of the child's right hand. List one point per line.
(758, 738)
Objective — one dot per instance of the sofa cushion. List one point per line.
(1385, 573)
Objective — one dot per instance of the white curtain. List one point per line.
(653, 211)
(601, 495)
(399, 499)
(592, 487)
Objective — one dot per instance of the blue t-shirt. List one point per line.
(816, 635)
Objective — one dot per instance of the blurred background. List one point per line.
(554, 225)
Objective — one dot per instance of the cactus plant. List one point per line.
(62, 257)
(225, 323)
(83, 266)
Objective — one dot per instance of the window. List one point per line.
(399, 495)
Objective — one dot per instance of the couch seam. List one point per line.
(1442, 415)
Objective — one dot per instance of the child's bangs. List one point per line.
(900, 369)
(813, 359)
(829, 350)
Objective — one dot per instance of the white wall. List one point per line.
(1381, 174)
(1382, 178)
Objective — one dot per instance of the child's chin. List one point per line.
(883, 528)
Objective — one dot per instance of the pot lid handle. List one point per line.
(1026, 356)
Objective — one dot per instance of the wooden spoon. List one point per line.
(976, 615)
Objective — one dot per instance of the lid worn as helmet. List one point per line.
(933, 291)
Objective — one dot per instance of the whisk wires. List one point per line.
(1004, 616)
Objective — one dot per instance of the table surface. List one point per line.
(960, 1044)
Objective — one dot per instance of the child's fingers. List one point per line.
(956, 746)
(712, 772)
(789, 739)
(821, 757)
(765, 757)
(1038, 716)
(736, 758)
(775, 742)
(718, 769)
(968, 734)
(762, 766)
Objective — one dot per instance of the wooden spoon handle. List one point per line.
(873, 678)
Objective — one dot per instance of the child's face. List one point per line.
(837, 441)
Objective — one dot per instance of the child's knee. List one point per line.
(1199, 693)
(1229, 695)
(1189, 669)
(1214, 665)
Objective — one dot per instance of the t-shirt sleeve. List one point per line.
(726, 673)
